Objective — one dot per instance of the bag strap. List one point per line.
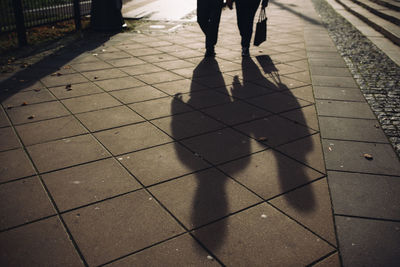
(263, 15)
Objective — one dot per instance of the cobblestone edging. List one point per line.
(376, 74)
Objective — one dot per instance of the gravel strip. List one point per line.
(376, 74)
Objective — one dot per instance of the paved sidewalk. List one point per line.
(134, 150)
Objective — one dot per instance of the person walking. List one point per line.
(245, 12)
(208, 18)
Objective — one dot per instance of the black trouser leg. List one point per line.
(245, 11)
(208, 17)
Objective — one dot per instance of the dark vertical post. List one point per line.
(20, 22)
(77, 15)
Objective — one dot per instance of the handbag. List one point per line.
(261, 28)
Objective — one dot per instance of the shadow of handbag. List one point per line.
(261, 28)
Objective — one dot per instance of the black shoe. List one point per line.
(210, 52)
(245, 52)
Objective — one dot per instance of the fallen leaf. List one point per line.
(24, 104)
(31, 117)
(67, 67)
(37, 89)
(68, 87)
(263, 138)
(368, 156)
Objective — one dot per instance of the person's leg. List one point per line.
(203, 15)
(245, 11)
(213, 26)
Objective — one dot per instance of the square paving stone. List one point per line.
(75, 90)
(306, 116)
(245, 90)
(304, 93)
(84, 58)
(141, 69)
(187, 54)
(52, 81)
(270, 173)
(180, 86)
(223, 145)
(203, 197)
(346, 82)
(188, 124)
(137, 94)
(120, 226)
(90, 102)
(303, 76)
(109, 118)
(113, 55)
(307, 150)
(235, 112)
(330, 71)
(215, 80)
(318, 62)
(89, 66)
(29, 97)
(331, 261)
(351, 156)
(368, 242)
(162, 163)
(126, 62)
(35, 242)
(131, 138)
(43, 131)
(260, 236)
(344, 94)
(15, 164)
(14, 86)
(323, 54)
(351, 129)
(23, 201)
(66, 152)
(174, 64)
(180, 251)
(8, 139)
(160, 107)
(37, 112)
(157, 58)
(364, 195)
(278, 102)
(143, 52)
(274, 130)
(311, 206)
(158, 77)
(300, 64)
(99, 75)
(204, 99)
(85, 184)
(344, 109)
(119, 83)
(3, 118)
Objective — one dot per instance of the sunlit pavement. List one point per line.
(172, 10)
(134, 150)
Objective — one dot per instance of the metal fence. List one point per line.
(15, 14)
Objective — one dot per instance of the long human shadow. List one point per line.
(210, 201)
(26, 76)
(289, 178)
